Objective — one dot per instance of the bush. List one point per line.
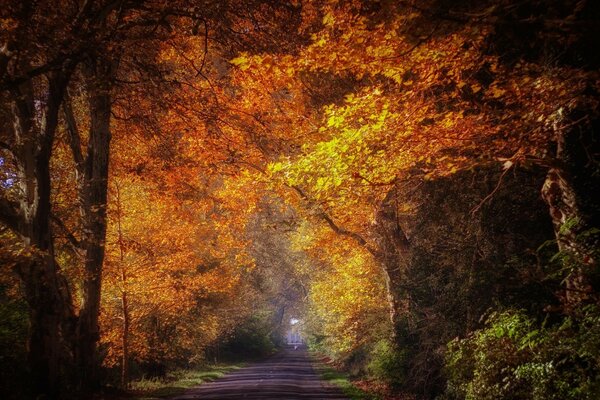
(387, 363)
(514, 357)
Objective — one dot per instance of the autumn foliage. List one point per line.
(414, 180)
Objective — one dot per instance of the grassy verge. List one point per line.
(342, 381)
(178, 381)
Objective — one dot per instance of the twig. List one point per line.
(492, 193)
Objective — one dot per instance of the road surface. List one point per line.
(288, 375)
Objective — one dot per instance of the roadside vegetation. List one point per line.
(348, 387)
(177, 381)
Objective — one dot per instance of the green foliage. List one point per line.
(516, 357)
(387, 363)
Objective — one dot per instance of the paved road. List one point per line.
(288, 375)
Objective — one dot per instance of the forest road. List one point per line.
(287, 375)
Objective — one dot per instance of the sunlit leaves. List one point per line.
(160, 264)
(360, 104)
(241, 61)
(344, 303)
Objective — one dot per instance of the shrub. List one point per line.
(387, 363)
(515, 357)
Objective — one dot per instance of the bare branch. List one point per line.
(492, 193)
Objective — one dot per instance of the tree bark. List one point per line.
(125, 336)
(393, 247)
(49, 301)
(569, 192)
(93, 201)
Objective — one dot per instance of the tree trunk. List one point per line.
(125, 338)
(47, 295)
(46, 320)
(124, 299)
(393, 246)
(569, 192)
(93, 199)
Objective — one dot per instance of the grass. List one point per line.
(342, 381)
(178, 381)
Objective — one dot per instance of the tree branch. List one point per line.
(492, 193)
(336, 228)
(73, 134)
(205, 48)
(70, 237)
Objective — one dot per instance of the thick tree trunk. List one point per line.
(46, 321)
(93, 199)
(570, 190)
(393, 247)
(47, 295)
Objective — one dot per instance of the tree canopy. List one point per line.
(415, 181)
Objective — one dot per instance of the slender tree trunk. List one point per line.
(125, 337)
(570, 191)
(124, 299)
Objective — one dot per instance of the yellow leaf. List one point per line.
(242, 62)
(328, 19)
(497, 92)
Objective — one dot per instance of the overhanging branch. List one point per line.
(336, 228)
